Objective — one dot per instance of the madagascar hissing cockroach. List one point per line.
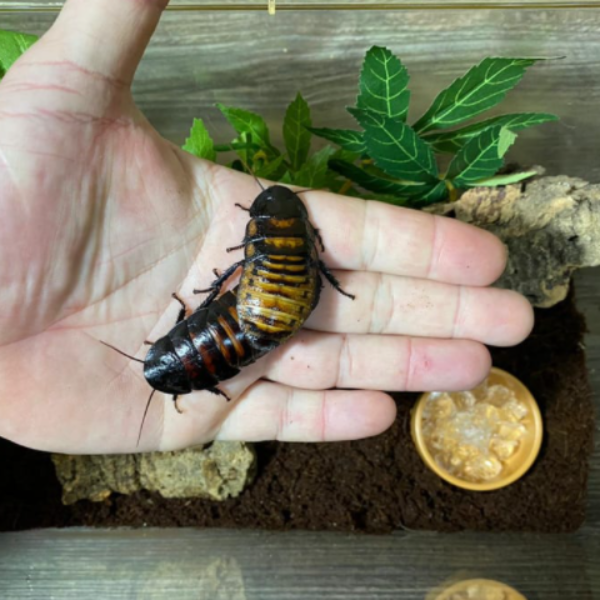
(200, 351)
(281, 270)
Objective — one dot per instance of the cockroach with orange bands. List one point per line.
(281, 280)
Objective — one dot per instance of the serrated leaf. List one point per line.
(452, 141)
(348, 139)
(12, 45)
(383, 84)
(481, 88)
(199, 143)
(481, 157)
(313, 172)
(380, 185)
(272, 170)
(246, 122)
(295, 132)
(506, 179)
(396, 148)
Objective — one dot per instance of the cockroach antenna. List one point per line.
(122, 353)
(151, 393)
(260, 185)
(144, 417)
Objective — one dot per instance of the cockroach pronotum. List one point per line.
(280, 283)
(200, 351)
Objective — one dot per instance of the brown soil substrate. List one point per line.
(375, 485)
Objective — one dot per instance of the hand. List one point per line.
(101, 220)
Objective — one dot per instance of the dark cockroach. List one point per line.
(200, 351)
(281, 270)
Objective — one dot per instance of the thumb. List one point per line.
(106, 37)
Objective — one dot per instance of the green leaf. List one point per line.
(333, 182)
(272, 170)
(453, 141)
(345, 155)
(314, 172)
(438, 194)
(12, 45)
(246, 122)
(237, 165)
(244, 147)
(383, 84)
(200, 143)
(481, 157)
(506, 179)
(484, 86)
(286, 178)
(435, 194)
(348, 139)
(380, 185)
(396, 148)
(295, 132)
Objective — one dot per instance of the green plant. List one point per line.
(387, 159)
(400, 160)
(12, 45)
(295, 165)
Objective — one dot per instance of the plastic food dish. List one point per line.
(497, 426)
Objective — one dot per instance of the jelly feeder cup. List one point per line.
(479, 589)
(479, 440)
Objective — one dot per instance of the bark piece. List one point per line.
(551, 228)
(217, 472)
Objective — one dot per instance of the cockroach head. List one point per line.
(278, 202)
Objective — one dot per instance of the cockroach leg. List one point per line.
(242, 207)
(210, 289)
(218, 392)
(217, 284)
(184, 308)
(320, 239)
(333, 281)
(250, 240)
(175, 398)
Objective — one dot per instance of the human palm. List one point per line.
(101, 220)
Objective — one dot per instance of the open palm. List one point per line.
(101, 220)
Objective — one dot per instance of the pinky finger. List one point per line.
(271, 411)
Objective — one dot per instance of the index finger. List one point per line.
(373, 236)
